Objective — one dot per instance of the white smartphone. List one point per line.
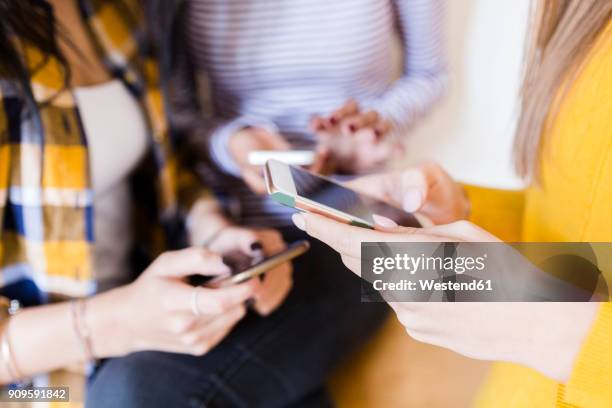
(294, 157)
(306, 191)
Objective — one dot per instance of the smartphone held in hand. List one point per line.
(245, 267)
(306, 191)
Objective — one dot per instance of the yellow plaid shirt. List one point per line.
(46, 214)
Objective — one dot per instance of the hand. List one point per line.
(356, 139)
(206, 225)
(277, 282)
(204, 221)
(156, 312)
(252, 139)
(346, 239)
(544, 336)
(427, 189)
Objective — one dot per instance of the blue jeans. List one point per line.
(282, 360)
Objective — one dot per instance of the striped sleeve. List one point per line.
(424, 76)
(220, 137)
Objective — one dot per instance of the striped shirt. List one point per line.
(275, 63)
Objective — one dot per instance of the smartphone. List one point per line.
(293, 157)
(245, 267)
(306, 191)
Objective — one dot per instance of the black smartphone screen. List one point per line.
(341, 198)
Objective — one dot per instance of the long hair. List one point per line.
(562, 34)
(30, 22)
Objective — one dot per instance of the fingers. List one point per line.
(343, 238)
(275, 287)
(415, 186)
(352, 124)
(218, 301)
(197, 337)
(189, 261)
(322, 164)
(346, 239)
(318, 124)
(180, 297)
(236, 238)
(207, 335)
(382, 127)
(349, 108)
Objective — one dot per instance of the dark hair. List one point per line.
(33, 24)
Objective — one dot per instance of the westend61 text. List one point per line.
(432, 284)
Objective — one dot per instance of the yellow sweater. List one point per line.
(572, 203)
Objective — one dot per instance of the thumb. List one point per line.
(321, 159)
(414, 189)
(412, 200)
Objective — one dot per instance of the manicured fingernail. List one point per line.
(299, 221)
(352, 128)
(256, 246)
(333, 120)
(413, 200)
(377, 133)
(384, 221)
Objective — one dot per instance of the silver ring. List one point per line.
(195, 308)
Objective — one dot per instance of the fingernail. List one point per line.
(377, 133)
(333, 120)
(413, 200)
(256, 246)
(352, 128)
(299, 221)
(384, 221)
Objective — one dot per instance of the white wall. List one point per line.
(470, 132)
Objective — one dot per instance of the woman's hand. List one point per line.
(428, 189)
(358, 140)
(207, 226)
(276, 283)
(248, 140)
(544, 336)
(346, 239)
(160, 311)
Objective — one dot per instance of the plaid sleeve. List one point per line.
(5, 164)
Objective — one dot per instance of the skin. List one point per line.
(252, 139)
(208, 223)
(358, 140)
(349, 141)
(154, 312)
(544, 336)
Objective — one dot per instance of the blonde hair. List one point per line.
(561, 35)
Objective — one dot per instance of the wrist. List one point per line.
(105, 319)
(554, 346)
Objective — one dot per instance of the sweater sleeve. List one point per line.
(424, 73)
(591, 383)
(498, 211)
